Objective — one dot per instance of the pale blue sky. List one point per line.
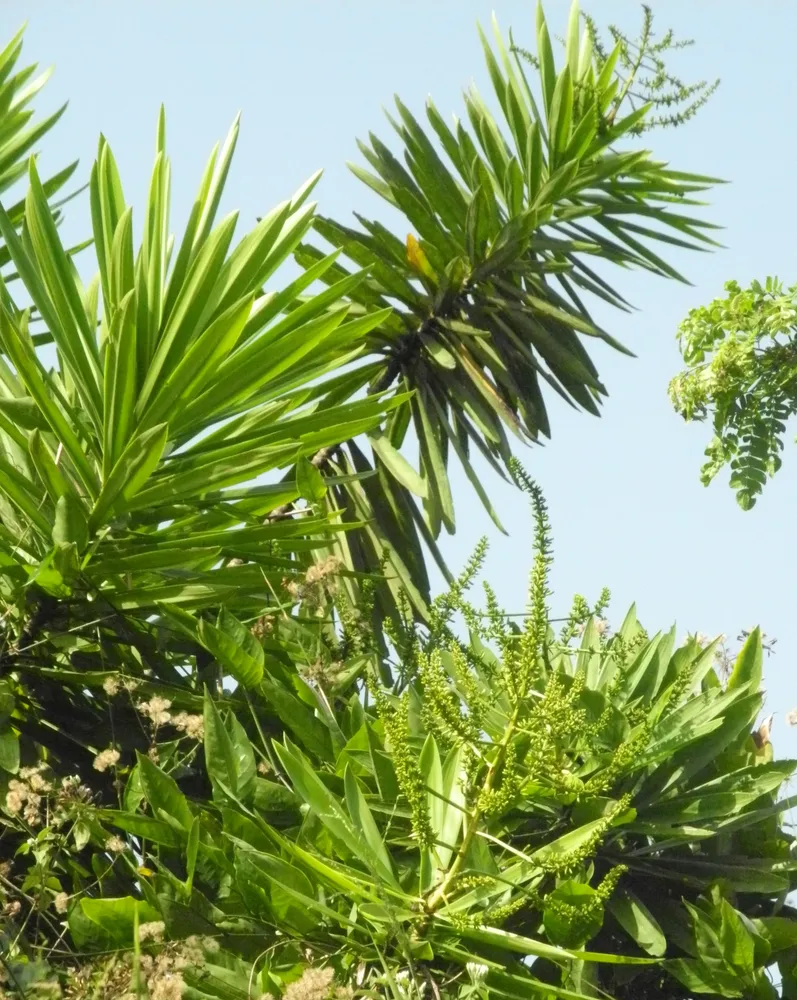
(627, 507)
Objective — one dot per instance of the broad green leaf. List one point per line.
(220, 758)
(638, 922)
(273, 797)
(241, 658)
(71, 525)
(352, 882)
(736, 941)
(397, 464)
(155, 830)
(454, 786)
(191, 854)
(299, 719)
(284, 887)
(50, 474)
(245, 766)
(24, 412)
(309, 481)
(117, 917)
(9, 749)
(702, 977)
(296, 890)
(780, 932)
(162, 793)
(325, 805)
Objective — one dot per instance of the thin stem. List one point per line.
(474, 818)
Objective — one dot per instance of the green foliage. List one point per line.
(179, 380)
(136, 553)
(517, 812)
(242, 752)
(20, 135)
(508, 221)
(741, 373)
(132, 484)
(729, 953)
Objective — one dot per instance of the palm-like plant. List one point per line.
(124, 466)
(126, 470)
(511, 225)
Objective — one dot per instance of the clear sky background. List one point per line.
(627, 506)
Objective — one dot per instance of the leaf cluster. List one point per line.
(741, 374)
(517, 812)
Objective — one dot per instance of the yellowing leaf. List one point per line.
(417, 259)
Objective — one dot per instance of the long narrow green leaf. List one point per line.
(30, 371)
(181, 328)
(135, 465)
(199, 365)
(57, 270)
(120, 383)
(397, 465)
(363, 820)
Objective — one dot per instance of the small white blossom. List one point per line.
(167, 987)
(192, 725)
(313, 985)
(105, 759)
(156, 710)
(477, 972)
(15, 800)
(111, 686)
(153, 930)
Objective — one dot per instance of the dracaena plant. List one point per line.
(522, 811)
(135, 432)
(511, 218)
(127, 468)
